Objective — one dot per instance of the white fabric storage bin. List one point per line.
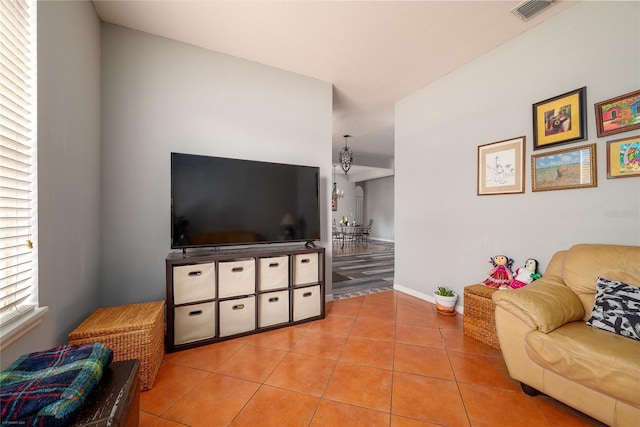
(237, 316)
(273, 308)
(236, 278)
(306, 302)
(273, 273)
(194, 322)
(305, 268)
(194, 282)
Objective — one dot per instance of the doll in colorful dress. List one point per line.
(500, 274)
(525, 275)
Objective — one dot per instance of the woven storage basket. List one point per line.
(479, 321)
(133, 331)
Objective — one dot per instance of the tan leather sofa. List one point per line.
(549, 348)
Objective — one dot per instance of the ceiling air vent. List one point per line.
(527, 9)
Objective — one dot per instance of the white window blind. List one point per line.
(18, 287)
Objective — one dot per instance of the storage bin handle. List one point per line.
(195, 313)
(195, 273)
(307, 294)
(238, 307)
(274, 264)
(237, 269)
(274, 299)
(305, 260)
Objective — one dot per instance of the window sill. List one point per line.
(19, 327)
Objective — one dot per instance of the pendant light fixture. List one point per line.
(346, 156)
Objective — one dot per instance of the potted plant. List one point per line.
(446, 300)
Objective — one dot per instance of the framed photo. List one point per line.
(334, 202)
(620, 114)
(623, 157)
(560, 120)
(501, 167)
(564, 169)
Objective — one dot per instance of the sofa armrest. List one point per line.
(545, 304)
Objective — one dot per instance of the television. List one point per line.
(219, 201)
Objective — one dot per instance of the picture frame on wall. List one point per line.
(560, 120)
(334, 202)
(564, 169)
(619, 114)
(501, 167)
(623, 157)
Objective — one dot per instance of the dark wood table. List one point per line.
(115, 401)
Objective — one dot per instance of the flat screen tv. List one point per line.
(221, 201)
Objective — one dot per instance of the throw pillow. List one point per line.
(616, 308)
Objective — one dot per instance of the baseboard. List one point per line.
(423, 296)
(376, 239)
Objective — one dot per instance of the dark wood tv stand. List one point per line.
(220, 294)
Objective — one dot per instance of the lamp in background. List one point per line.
(346, 156)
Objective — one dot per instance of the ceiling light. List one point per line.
(346, 156)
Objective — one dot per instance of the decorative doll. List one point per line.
(500, 274)
(525, 275)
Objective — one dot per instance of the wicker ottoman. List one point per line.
(133, 331)
(479, 319)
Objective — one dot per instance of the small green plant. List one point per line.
(444, 292)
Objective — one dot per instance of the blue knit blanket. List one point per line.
(48, 388)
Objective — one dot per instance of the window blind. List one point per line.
(18, 287)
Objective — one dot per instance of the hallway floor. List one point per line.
(386, 359)
(360, 270)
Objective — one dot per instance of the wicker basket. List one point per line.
(479, 321)
(133, 331)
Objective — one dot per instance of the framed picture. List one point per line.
(623, 157)
(501, 167)
(334, 202)
(560, 120)
(620, 114)
(564, 169)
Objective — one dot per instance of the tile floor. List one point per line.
(385, 359)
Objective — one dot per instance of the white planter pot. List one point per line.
(446, 305)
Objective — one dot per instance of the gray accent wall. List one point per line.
(161, 96)
(68, 243)
(113, 104)
(445, 233)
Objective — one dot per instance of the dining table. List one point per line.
(351, 233)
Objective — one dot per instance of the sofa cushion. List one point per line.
(545, 304)
(584, 263)
(616, 308)
(597, 359)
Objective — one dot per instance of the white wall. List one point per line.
(445, 233)
(160, 96)
(68, 170)
(378, 205)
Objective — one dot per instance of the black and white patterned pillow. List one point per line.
(616, 308)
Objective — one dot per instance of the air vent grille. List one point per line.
(527, 9)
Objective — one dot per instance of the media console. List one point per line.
(219, 294)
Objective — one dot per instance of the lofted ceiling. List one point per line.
(374, 53)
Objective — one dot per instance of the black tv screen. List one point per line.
(220, 201)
